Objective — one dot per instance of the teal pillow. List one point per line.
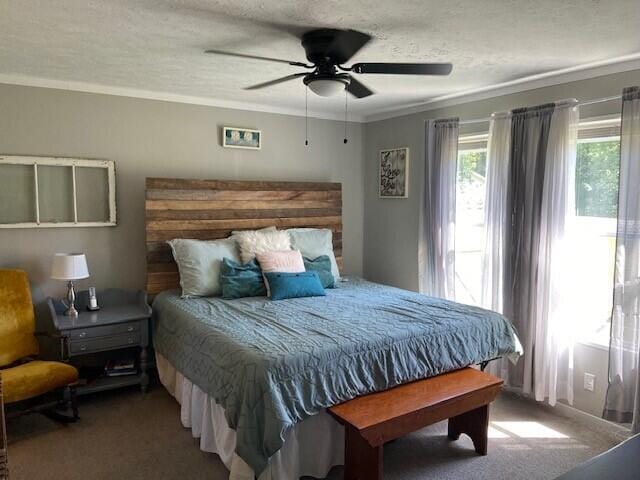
(294, 285)
(322, 266)
(240, 281)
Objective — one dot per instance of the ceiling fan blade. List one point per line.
(256, 57)
(403, 68)
(358, 89)
(345, 45)
(276, 81)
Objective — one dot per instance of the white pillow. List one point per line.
(251, 242)
(314, 242)
(199, 263)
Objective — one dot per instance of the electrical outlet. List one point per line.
(589, 382)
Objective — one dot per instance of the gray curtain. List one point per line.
(534, 235)
(623, 395)
(529, 137)
(437, 227)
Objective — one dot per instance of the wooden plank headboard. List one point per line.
(210, 209)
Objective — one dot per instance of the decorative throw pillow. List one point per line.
(322, 266)
(284, 261)
(294, 285)
(240, 281)
(251, 242)
(313, 243)
(199, 263)
(281, 261)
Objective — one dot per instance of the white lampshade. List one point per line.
(326, 87)
(69, 266)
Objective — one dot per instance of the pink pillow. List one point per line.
(287, 261)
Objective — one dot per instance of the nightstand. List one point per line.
(121, 323)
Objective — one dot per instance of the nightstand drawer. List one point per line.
(107, 330)
(104, 343)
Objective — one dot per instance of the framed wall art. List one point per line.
(394, 173)
(233, 137)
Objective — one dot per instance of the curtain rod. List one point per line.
(580, 104)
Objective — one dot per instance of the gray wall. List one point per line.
(391, 226)
(162, 139)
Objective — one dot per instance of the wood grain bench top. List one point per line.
(462, 396)
(392, 413)
(376, 408)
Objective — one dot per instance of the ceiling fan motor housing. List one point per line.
(317, 45)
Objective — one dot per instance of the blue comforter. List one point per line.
(271, 364)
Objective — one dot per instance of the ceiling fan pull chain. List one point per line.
(306, 115)
(345, 115)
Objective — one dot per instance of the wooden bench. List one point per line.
(462, 396)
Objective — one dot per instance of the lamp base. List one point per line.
(71, 298)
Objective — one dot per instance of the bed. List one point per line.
(254, 377)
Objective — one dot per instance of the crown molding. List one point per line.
(555, 77)
(29, 81)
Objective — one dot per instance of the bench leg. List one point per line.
(361, 460)
(474, 423)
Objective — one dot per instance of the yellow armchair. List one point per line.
(24, 379)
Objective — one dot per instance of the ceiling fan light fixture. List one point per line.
(327, 86)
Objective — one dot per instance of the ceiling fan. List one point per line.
(327, 50)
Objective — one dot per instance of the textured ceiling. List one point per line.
(157, 45)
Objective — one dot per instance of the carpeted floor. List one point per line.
(127, 435)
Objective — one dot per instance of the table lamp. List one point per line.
(70, 267)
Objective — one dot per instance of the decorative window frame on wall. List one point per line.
(72, 163)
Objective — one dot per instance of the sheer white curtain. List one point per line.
(437, 232)
(529, 207)
(495, 221)
(553, 319)
(623, 395)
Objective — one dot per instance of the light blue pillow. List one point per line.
(322, 266)
(199, 264)
(294, 285)
(313, 243)
(239, 281)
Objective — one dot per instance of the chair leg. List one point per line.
(70, 401)
(73, 401)
(58, 417)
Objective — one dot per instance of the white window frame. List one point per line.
(109, 165)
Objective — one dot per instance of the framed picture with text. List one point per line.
(394, 173)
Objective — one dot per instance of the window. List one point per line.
(596, 189)
(597, 171)
(470, 193)
(56, 192)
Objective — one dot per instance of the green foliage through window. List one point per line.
(597, 171)
(472, 165)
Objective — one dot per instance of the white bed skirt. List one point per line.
(312, 447)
